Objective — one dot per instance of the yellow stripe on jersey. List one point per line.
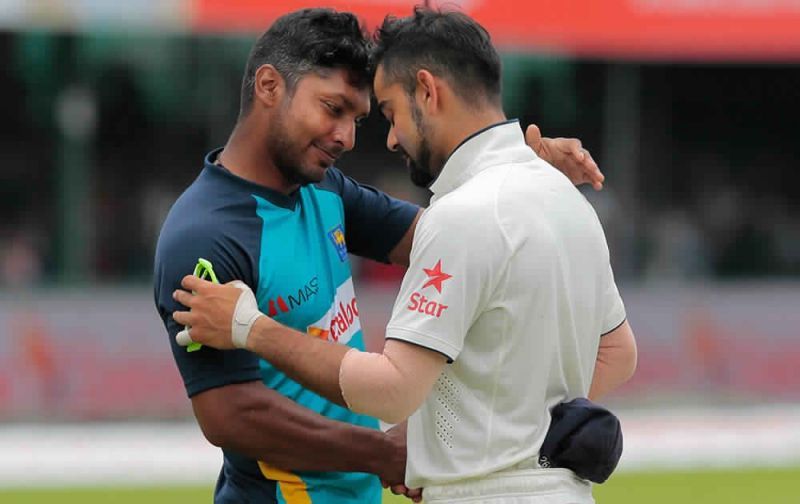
(293, 488)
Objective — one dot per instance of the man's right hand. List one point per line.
(394, 474)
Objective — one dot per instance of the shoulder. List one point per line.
(214, 222)
(334, 181)
(190, 222)
(476, 199)
(465, 216)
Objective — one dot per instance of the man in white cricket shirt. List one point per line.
(508, 308)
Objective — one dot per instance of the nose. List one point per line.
(391, 140)
(345, 136)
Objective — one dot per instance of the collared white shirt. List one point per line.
(510, 279)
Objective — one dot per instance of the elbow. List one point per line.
(218, 424)
(216, 438)
(391, 411)
(394, 417)
(214, 431)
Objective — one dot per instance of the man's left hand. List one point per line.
(568, 155)
(396, 484)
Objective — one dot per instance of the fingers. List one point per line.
(593, 174)
(183, 317)
(414, 494)
(399, 489)
(533, 137)
(183, 297)
(183, 338)
(196, 284)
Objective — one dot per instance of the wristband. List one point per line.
(244, 315)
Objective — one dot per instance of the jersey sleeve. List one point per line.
(179, 247)
(456, 261)
(613, 307)
(374, 221)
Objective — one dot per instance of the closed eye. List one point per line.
(334, 109)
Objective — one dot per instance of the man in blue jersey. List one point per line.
(270, 210)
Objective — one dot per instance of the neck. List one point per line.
(466, 122)
(246, 155)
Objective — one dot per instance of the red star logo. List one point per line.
(436, 276)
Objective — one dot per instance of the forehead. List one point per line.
(381, 85)
(333, 83)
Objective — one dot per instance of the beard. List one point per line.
(287, 155)
(420, 167)
(420, 176)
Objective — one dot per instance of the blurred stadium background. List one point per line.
(690, 107)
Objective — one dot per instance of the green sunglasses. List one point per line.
(203, 270)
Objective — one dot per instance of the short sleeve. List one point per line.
(179, 247)
(374, 221)
(456, 260)
(613, 307)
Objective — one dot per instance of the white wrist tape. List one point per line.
(244, 315)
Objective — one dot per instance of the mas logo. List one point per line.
(337, 238)
(304, 293)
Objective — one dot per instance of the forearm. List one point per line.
(391, 385)
(312, 362)
(257, 422)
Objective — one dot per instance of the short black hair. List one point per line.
(449, 44)
(310, 40)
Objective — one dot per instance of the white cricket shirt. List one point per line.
(510, 279)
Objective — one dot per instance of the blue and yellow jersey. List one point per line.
(292, 250)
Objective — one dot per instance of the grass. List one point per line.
(777, 486)
(709, 487)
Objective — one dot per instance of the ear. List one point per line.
(428, 94)
(268, 86)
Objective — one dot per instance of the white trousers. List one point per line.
(524, 486)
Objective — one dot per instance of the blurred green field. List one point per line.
(765, 486)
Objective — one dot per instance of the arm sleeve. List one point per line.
(178, 249)
(392, 385)
(374, 221)
(614, 309)
(456, 262)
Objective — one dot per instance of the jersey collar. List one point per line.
(277, 198)
(470, 157)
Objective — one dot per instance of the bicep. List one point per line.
(176, 257)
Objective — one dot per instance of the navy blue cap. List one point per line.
(583, 437)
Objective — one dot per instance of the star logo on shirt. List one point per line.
(436, 276)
